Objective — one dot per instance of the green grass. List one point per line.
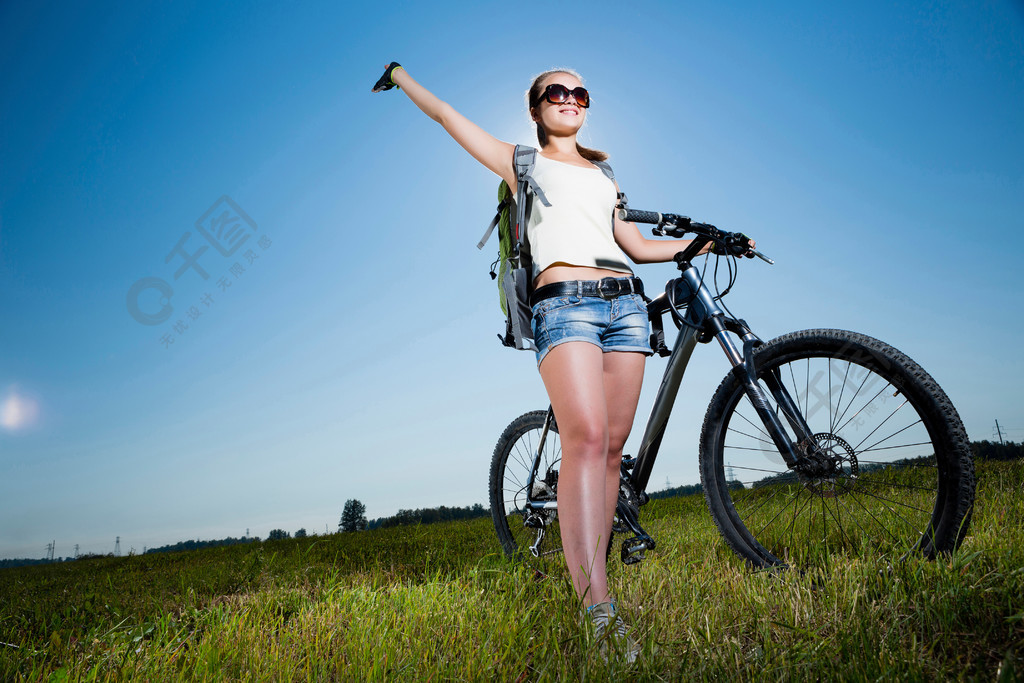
(437, 602)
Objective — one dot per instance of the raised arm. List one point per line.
(482, 146)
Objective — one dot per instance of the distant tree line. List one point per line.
(195, 545)
(672, 492)
(991, 450)
(25, 562)
(429, 516)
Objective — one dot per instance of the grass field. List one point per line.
(437, 602)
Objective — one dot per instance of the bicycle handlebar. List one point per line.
(638, 216)
(674, 225)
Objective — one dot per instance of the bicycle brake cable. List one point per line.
(733, 274)
(673, 306)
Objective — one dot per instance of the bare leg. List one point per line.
(623, 377)
(578, 377)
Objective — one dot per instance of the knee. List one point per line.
(616, 442)
(589, 439)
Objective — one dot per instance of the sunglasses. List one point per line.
(556, 93)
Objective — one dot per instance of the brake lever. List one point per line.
(668, 229)
(761, 256)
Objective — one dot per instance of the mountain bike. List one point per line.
(819, 443)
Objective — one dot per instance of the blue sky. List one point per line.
(347, 348)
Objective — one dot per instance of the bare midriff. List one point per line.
(564, 272)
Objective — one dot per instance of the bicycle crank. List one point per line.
(627, 518)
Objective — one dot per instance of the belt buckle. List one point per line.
(609, 288)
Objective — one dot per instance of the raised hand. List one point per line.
(385, 82)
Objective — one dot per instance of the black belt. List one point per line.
(606, 288)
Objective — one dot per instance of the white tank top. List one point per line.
(577, 228)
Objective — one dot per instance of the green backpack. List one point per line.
(513, 268)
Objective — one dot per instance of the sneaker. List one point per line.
(611, 633)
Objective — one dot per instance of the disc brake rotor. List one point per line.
(845, 469)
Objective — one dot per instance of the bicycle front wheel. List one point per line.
(527, 534)
(902, 477)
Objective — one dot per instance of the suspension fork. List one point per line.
(786, 404)
(746, 373)
(711, 316)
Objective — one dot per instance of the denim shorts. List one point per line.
(618, 324)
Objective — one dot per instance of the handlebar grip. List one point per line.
(637, 216)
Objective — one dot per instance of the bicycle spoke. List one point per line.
(792, 377)
(908, 487)
(756, 469)
(524, 457)
(896, 433)
(892, 510)
(862, 408)
(520, 484)
(880, 425)
(840, 502)
(751, 436)
(882, 498)
(807, 387)
(764, 501)
(836, 430)
(890, 448)
(839, 402)
(867, 486)
(756, 426)
(781, 510)
(747, 448)
(830, 394)
(796, 514)
(839, 523)
(874, 518)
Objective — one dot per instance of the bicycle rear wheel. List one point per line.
(903, 477)
(529, 536)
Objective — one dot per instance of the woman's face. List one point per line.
(560, 119)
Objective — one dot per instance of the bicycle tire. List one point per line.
(905, 481)
(511, 465)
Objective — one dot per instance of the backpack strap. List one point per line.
(621, 200)
(493, 225)
(523, 159)
(605, 168)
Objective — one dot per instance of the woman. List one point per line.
(591, 349)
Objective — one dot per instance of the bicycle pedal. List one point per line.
(635, 558)
(628, 462)
(634, 549)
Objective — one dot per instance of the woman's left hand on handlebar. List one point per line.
(736, 244)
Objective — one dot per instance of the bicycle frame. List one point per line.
(704, 319)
